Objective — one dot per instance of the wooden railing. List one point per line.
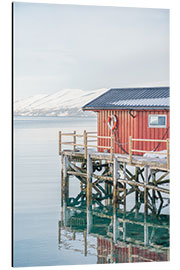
(86, 136)
(89, 137)
(131, 150)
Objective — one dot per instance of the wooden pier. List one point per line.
(108, 176)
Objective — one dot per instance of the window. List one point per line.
(157, 121)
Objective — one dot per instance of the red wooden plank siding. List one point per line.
(136, 127)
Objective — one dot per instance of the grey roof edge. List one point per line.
(127, 108)
(87, 107)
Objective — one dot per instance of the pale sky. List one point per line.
(87, 47)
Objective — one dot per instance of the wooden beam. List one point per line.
(133, 183)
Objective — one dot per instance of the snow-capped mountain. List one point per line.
(67, 102)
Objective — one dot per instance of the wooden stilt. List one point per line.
(124, 176)
(85, 144)
(124, 231)
(137, 180)
(81, 186)
(74, 141)
(74, 235)
(62, 179)
(85, 243)
(145, 189)
(153, 191)
(115, 176)
(60, 143)
(59, 232)
(65, 178)
(89, 181)
(146, 236)
(89, 219)
(106, 190)
(129, 253)
(115, 224)
(109, 193)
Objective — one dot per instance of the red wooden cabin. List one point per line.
(142, 113)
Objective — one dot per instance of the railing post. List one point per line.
(60, 142)
(111, 147)
(74, 141)
(85, 144)
(130, 149)
(168, 154)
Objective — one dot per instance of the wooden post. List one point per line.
(62, 176)
(89, 219)
(124, 176)
(130, 149)
(146, 169)
(115, 176)
(107, 192)
(74, 235)
(168, 155)
(89, 181)
(85, 243)
(146, 236)
(153, 191)
(124, 230)
(59, 232)
(115, 224)
(81, 186)
(111, 147)
(85, 144)
(137, 180)
(111, 250)
(129, 253)
(60, 142)
(65, 184)
(74, 140)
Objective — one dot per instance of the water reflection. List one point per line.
(120, 236)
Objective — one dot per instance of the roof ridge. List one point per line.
(152, 97)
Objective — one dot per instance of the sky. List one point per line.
(88, 47)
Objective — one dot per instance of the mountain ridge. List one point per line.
(66, 102)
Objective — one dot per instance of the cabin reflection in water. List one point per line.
(122, 237)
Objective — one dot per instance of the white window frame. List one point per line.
(157, 126)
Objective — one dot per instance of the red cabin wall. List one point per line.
(136, 127)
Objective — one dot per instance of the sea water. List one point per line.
(37, 194)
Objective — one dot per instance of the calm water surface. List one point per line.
(37, 197)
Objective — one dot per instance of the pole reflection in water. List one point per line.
(122, 236)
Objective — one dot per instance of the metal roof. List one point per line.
(131, 98)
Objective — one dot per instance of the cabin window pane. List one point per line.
(157, 121)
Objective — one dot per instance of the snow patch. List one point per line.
(160, 154)
(67, 102)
